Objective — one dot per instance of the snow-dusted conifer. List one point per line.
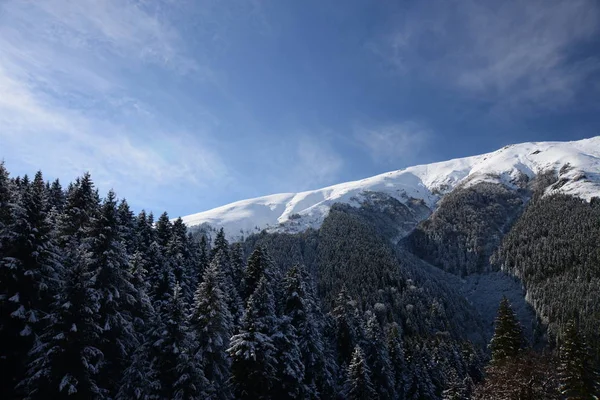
(113, 281)
(66, 360)
(578, 378)
(171, 342)
(254, 367)
(212, 324)
(358, 384)
(508, 334)
(378, 358)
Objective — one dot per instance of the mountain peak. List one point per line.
(577, 163)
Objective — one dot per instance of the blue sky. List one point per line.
(187, 105)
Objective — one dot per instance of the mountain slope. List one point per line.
(577, 162)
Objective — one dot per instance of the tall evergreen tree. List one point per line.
(358, 384)
(254, 366)
(397, 359)
(212, 323)
(289, 382)
(300, 305)
(113, 282)
(178, 251)
(578, 378)
(259, 265)
(178, 373)
(30, 266)
(220, 244)
(56, 196)
(65, 362)
(163, 230)
(508, 334)
(81, 209)
(348, 333)
(378, 358)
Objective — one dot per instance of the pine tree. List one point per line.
(178, 252)
(397, 358)
(163, 231)
(348, 333)
(66, 360)
(578, 379)
(419, 385)
(358, 384)
(290, 369)
(220, 244)
(254, 367)
(259, 265)
(179, 374)
(160, 275)
(56, 197)
(234, 302)
(300, 305)
(378, 358)
(113, 282)
(127, 226)
(212, 323)
(508, 334)
(237, 267)
(30, 265)
(81, 209)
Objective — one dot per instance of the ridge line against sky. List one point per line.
(184, 106)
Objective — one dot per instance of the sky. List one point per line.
(185, 105)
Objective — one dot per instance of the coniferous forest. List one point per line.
(98, 302)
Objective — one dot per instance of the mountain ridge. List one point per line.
(576, 162)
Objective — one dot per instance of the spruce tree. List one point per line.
(66, 360)
(212, 323)
(179, 374)
(258, 266)
(113, 282)
(289, 383)
(347, 328)
(578, 378)
(30, 266)
(254, 366)
(378, 358)
(300, 306)
(397, 358)
(81, 209)
(358, 384)
(163, 230)
(508, 334)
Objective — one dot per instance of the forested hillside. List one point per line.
(100, 303)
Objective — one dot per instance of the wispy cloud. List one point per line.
(66, 109)
(511, 52)
(394, 144)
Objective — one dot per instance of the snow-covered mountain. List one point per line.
(577, 162)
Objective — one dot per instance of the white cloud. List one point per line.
(393, 144)
(512, 52)
(65, 109)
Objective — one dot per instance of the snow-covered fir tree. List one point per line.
(579, 380)
(358, 385)
(113, 281)
(252, 350)
(300, 305)
(508, 334)
(66, 361)
(178, 373)
(212, 324)
(378, 358)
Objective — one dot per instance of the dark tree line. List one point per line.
(99, 303)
